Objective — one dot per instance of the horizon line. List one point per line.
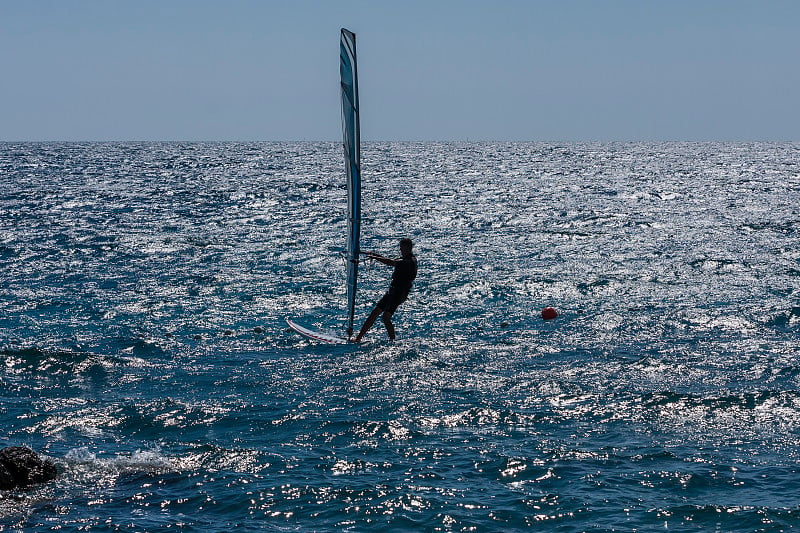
(465, 140)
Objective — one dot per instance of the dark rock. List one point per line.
(21, 467)
(6, 479)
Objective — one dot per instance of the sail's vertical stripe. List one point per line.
(352, 157)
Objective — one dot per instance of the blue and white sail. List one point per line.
(351, 133)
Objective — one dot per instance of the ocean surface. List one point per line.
(143, 346)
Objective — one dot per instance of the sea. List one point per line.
(144, 288)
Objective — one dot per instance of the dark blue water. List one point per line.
(143, 291)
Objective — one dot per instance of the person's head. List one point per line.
(406, 246)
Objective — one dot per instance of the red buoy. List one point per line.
(548, 313)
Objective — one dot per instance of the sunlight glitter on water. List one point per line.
(144, 345)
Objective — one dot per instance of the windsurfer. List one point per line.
(405, 270)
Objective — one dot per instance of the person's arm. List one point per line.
(380, 258)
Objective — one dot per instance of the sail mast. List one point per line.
(351, 134)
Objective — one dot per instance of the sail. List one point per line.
(352, 157)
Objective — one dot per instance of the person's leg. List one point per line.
(368, 323)
(387, 321)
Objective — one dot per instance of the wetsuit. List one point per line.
(405, 270)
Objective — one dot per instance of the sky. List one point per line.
(517, 70)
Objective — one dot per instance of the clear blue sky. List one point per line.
(554, 70)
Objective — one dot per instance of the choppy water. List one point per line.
(143, 290)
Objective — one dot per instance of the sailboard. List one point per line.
(317, 335)
(351, 135)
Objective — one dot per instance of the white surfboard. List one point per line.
(322, 336)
